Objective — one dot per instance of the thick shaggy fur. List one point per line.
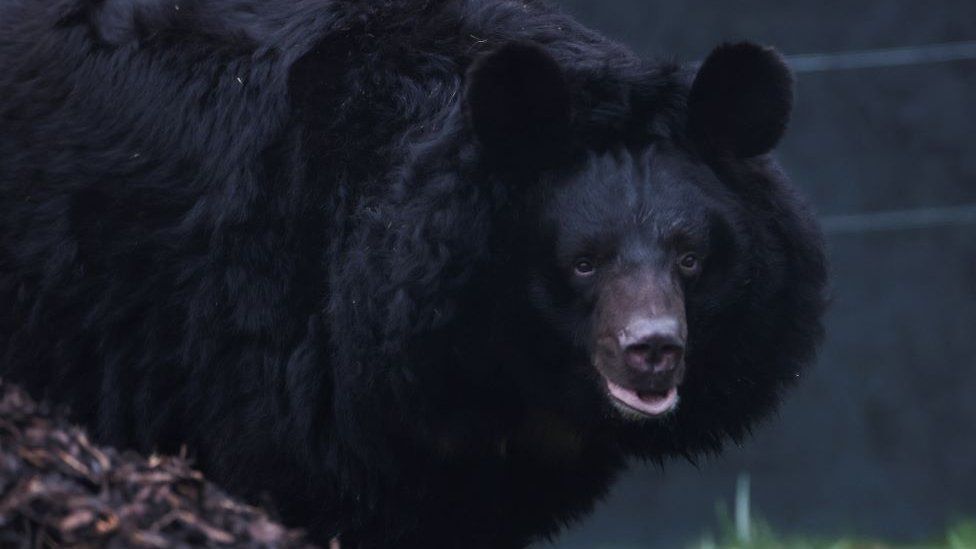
(269, 231)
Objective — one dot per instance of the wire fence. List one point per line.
(888, 57)
(897, 220)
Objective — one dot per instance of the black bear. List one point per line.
(423, 273)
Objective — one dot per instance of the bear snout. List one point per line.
(656, 354)
(646, 355)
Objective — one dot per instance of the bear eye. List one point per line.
(584, 266)
(689, 263)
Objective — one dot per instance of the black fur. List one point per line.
(741, 99)
(520, 106)
(278, 233)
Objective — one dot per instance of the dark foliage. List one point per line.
(290, 236)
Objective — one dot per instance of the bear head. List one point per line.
(661, 247)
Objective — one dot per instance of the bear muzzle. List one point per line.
(643, 365)
(640, 334)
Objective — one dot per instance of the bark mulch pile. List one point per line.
(58, 489)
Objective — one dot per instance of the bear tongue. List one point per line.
(651, 404)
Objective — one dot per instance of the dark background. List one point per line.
(880, 438)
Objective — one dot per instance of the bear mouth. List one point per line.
(634, 404)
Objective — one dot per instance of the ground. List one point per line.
(58, 489)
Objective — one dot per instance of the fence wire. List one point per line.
(889, 57)
(896, 220)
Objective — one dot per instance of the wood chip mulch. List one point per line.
(57, 489)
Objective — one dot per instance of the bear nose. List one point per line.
(652, 345)
(655, 354)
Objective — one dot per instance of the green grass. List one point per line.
(742, 530)
(960, 536)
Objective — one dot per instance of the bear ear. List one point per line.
(740, 100)
(519, 104)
